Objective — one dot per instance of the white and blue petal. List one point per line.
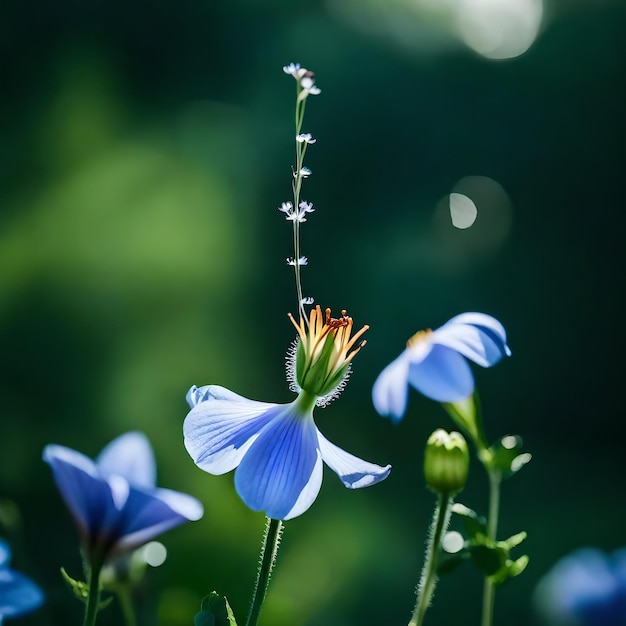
(219, 430)
(479, 337)
(353, 472)
(391, 389)
(281, 473)
(130, 456)
(444, 375)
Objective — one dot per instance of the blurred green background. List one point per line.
(144, 149)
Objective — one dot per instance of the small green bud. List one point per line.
(446, 462)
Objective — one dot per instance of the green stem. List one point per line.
(271, 541)
(126, 605)
(489, 589)
(93, 598)
(428, 579)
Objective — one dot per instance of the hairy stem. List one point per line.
(428, 579)
(269, 549)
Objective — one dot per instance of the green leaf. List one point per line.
(215, 611)
(507, 457)
(447, 565)
(489, 559)
(81, 590)
(475, 525)
(468, 416)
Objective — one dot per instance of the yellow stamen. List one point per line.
(420, 335)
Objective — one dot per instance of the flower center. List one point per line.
(325, 350)
(420, 335)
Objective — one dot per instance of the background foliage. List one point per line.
(145, 148)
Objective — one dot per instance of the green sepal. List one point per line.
(468, 416)
(300, 362)
(81, 590)
(507, 457)
(215, 611)
(333, 382)
(314, 378)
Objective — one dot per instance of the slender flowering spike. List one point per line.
(114, 500)
(277, 449)
(434, 362)
(18, 594)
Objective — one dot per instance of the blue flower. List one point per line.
(113, 500)
(277, 449)
(434, 362)
(585, 588)
(18, 594)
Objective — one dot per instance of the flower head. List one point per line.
(277, 449)
(113, 499)
(586, 588)
(18, 594)
(434, 362)
(319, 362)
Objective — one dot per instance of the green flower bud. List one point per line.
(446, 462)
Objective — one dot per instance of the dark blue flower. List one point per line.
(18, 594)
(114, 500)
(434, 362)
(584, 588)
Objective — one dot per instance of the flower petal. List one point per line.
(195, 395)
(353, 472)
(444, 376)
(477, 336)
(219, 430)
(5, 554)
(390, 391)
(146, 515)
(131, 457)
(18, 594)
(86, 494)
(281, 473)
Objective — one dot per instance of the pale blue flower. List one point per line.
(114, 500)
(276, 449)
(434, 362)
(18, 594)
(584, 588)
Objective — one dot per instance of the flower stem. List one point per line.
(428, 579)
(269, 549)
(489, 589)
(93, 598)
(126, 605)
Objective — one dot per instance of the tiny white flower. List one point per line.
(306, 207)
(307, 300)
(305, 137)
(295, 70)
(286, 207)
(301, 261)
(305, 172)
